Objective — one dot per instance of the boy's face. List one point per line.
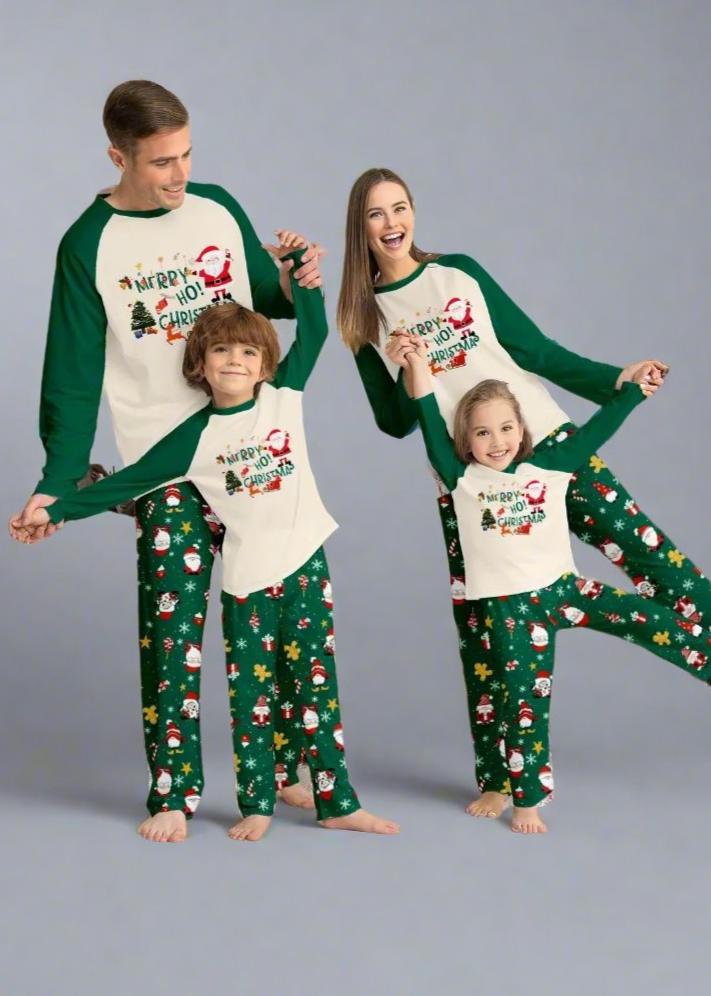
(233, 371)
(156, 172)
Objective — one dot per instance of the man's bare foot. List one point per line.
(297, 795)
(527, 821)
(362, 820)
(165, 828)
(489, 804)
(250, 828)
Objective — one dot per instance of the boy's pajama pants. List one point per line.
(602, 513)
(178, 538)
(292, 622)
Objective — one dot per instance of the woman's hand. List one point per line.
(399, 345)
(649, 374)
(309, 273)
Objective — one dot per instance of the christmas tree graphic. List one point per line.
(487, 520)
(142, 321)
(232, 482)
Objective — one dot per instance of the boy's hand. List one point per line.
(309, 274)
(32, 527)
(649, 374)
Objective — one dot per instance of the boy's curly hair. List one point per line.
(229, 323)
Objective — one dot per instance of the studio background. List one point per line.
(566, 147)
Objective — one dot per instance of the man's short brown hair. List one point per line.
(229, 323)
(139, 108)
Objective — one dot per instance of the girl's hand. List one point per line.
(649, 374)
(309, 273)
(399, 345)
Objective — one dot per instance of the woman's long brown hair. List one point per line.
(359, 318)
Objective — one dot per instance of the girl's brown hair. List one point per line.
(359, 318)
(139, 108)
(487, 390)
(229, 323)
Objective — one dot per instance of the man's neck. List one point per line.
(124, 198)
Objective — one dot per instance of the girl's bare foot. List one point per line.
(362, 820)
(489, 804)
(165, 828)
(250, 828)
(527, 821)
(297, 795)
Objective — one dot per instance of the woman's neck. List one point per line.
(392, 270)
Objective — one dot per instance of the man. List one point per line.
(133, 272)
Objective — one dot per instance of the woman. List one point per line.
(394, 294)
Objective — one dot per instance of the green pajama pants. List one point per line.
(292, 621)
(178, 538)
(602, 513)
(523, 629)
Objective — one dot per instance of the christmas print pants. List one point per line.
(178, 538)
(522, 632)
(292, 620)
(602, 513)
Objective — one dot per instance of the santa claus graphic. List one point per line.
(193, 657)
(539, 635)
(686, 608)
(309, 719)
(542, 684)
(167, 601)
(261, 713)
(329, 644)
(458, 313)
(526, 717)
(173, 736)
(644, 586)
(574, 615)
(327, 593)
(161, 540)
(650, 537)
(607, 493)
(338, 735)
(280, 776)
(318, 672)
(612, 551)
(191, 706)
(277, 442)
(191, 800)
(164, 781)
(514, 756)
(275, 590)
(694, 658)
(535, 493)
(588, 587)
(484, 711)
(192, 561)
(172, 496)
(692, 628)
(211, 519)
(545, 777)
(458, 590)
(325, 782)
(214, 268)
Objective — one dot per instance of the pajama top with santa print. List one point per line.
(474, 331)
(521, 577)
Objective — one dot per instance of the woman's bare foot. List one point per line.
(250, 828)
(165, 828)
(362, 820)
(489, 804)
(297, 795)
(527, 821)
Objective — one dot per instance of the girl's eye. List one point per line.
(481, 432)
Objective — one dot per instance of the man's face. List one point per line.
(157, 171)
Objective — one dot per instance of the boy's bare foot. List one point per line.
(362, 820)
(297, 795)
(165, 828)
(527, 821)
(250, 828)
(489, 804)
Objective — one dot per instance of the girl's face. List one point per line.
(389, 223)
(495, 434)
(233, 371)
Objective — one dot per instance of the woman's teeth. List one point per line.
(393, 241)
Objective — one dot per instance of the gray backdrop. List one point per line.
(564, 145)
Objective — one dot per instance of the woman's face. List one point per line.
(389, 223)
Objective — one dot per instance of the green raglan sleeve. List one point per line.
(311, 331)
(73, 369)
(267, 296)
(169, 458)
(440, 448)
(394, 410)
(578, 448)
(535, 352)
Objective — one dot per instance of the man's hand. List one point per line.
(309, 274)
(26, 518)
(649, 374)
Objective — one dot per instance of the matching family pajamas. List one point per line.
(514, 534)
(128, 287)
(474, 331)
(250, 465)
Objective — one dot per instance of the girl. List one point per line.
(510, 505)
(246, 453)
(394, 295)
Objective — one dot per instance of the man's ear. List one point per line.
(117, 157)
